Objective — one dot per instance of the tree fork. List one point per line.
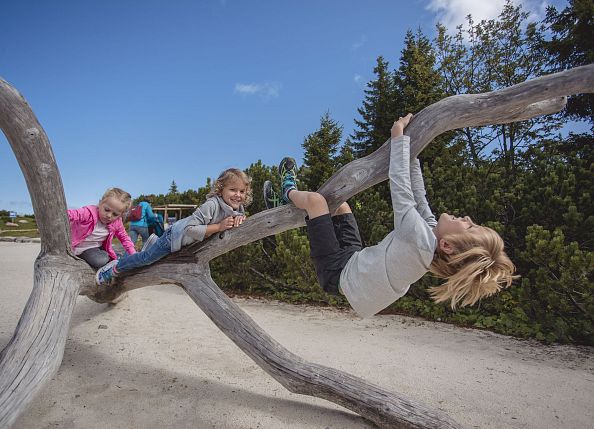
(35, 351)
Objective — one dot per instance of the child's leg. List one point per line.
(95, 257)
(313, 203)
(157, 251)
(346, 228)
(328, 257)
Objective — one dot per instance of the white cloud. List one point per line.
(362, 40)
(452, 13)
(265, 90)
(358, 79)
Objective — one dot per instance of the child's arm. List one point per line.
(399, 173)
(77, 215)
(124, 238)
(418, 188)
(204, 228)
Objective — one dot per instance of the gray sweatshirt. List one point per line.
(376, 276)
(193, 228)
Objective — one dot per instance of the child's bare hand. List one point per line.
(399, 125)
(227, 223)
(238, 220)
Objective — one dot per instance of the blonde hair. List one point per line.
(120, 195)
(477, 268)
(225, 177)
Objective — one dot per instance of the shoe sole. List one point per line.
(288, 161)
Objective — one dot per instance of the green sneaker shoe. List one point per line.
(288, 173)
(271, 198)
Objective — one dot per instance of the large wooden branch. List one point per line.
(386, 409)
(35, 351)
(536, 97)
(36, 158)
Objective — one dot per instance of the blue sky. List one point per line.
(136, 94)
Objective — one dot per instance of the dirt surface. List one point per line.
(156, 361)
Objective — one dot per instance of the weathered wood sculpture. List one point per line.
(35, 351)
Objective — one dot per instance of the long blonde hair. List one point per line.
(477, 268)
(225, 177)
(120, 195)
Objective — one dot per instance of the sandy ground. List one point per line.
(156, 361)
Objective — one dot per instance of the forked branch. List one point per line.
(35, 351)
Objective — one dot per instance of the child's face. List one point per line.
(110, 209)
(450, 225)
(234, 192)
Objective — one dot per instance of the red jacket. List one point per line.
(82, 223)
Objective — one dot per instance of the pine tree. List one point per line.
(418, 83)
(320, 150)
(173, 188)
(462, 65)
(572, 45)
(377, 112)
(345, 155)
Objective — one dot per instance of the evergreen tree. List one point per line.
(461, 61)
(572, 45)
(418, 84)
(258, 173)
(320, 150)
(345, 155)
(377, 113)
(173, 188)
(517, 55)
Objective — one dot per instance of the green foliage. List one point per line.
(173, 188)
(572, 45)
(377, 113)
(28, 229)
(320, 150)
(521, 179)
(558, 288)
(531, 186)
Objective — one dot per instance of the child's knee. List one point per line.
(344, 208)
(315, 199)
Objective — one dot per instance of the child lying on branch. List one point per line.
(469, 256)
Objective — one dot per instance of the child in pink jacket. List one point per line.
(92, 228)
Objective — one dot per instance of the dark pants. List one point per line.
(332, 241)
(95, 257)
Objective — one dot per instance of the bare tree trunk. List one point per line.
(34, 353)
(384, 408)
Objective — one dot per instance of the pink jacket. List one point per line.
(82, 223)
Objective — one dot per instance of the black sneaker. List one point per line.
(271, 198)
(288, 173)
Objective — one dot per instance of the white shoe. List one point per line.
(105, 274)
(149, 242)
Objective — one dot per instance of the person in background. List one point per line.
(140, 226)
